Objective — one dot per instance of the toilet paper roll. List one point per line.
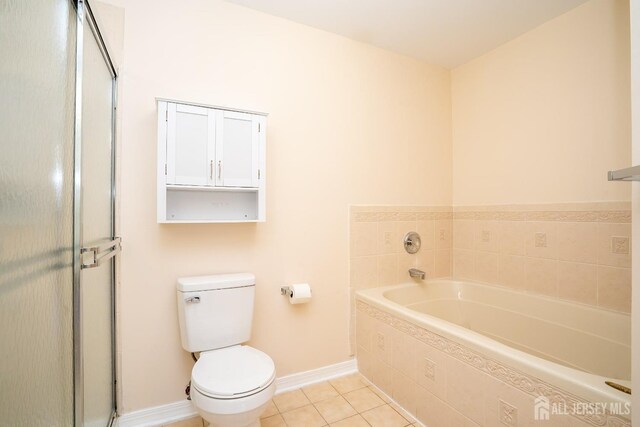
(300, 293)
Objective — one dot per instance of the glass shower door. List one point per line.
(56, 196)
(37, 98)
(96, 286)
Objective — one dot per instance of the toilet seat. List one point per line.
(232, 372)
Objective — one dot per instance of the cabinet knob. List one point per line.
(219, 169)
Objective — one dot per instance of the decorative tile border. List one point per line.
(615, 212)
(615, 216)
(516, 379)
(618, 212)
(548, 207)
(563, 216)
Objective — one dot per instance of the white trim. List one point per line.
(217, 107)
(183, 409)
(301, 379)
(159, 415)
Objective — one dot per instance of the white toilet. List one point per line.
(231, 384)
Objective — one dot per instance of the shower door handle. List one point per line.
(627, 174)
(100, 253)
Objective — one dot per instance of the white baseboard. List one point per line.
(158, 415)
(301, 379)
(184, 409)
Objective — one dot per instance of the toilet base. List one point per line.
(232, 424)
(241, 412)
(256, 424)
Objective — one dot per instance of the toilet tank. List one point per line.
(215, 311)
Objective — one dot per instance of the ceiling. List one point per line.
(443, 32)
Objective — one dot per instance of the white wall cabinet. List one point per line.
(211, 164)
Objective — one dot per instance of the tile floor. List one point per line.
(349, 401)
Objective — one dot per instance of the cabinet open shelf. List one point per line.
(186, 205)
(217, 221)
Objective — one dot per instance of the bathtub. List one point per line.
(461, 353)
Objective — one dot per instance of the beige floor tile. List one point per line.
(403, 412)
(307, 416)
(384, 416)
(355, 421)
(349, 383)
(363, 399)
(271, 409)
(380, 394)
(191, 422)
(273, 421)
(290, 400)
(335, 409)
(321, 391)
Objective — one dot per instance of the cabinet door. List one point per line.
(237, 149)
(190, 145)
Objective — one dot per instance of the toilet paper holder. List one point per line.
(286, 290)
(297, 294)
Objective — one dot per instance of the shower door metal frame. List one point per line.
(85, 16)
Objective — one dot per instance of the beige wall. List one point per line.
(542, 118)
(347, 123)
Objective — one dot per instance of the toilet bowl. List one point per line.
(232, 386)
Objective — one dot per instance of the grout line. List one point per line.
(366, 385)
(403, 416)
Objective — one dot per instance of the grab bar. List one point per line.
(627, 174)
(101, 253)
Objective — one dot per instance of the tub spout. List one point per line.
(417, 274)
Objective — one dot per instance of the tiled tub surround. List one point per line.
(377, 256)
(448, 375)
(578, 252)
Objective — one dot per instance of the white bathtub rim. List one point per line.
(579, 383)
(384, 289)
(506, 289)
(503, 352)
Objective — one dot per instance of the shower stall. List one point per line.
(57, 219)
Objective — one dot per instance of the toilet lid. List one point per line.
(233, 371)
